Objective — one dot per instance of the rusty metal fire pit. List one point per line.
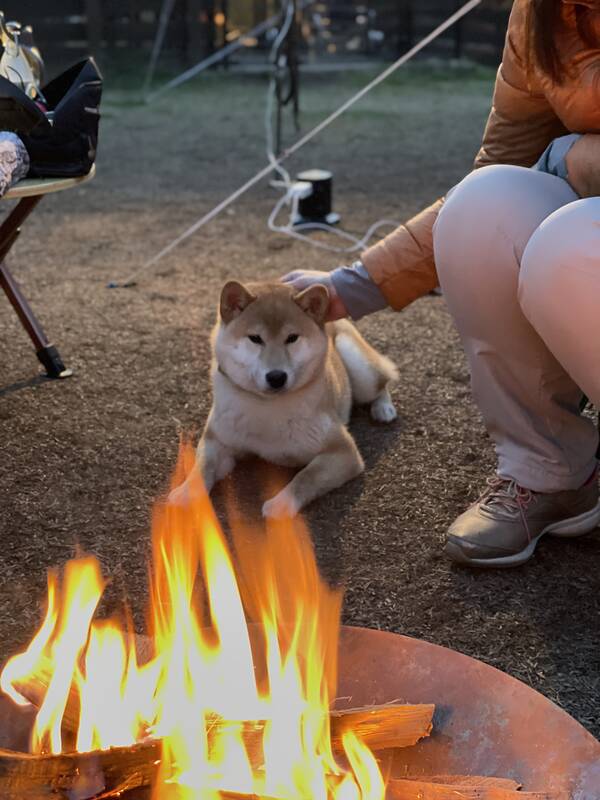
(486, 722)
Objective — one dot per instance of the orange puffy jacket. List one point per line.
(527, 113)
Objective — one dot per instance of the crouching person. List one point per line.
(516, 249)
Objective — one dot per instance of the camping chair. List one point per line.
(29, 192)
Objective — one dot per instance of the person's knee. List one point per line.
(559, 290)
(476, 212)
(562, 253)
(488, 219)
(476, 200)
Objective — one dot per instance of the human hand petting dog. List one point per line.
(303, 278)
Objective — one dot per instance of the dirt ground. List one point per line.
(82, 460)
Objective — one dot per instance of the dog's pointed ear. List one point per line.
(234, 299)
(314, 301)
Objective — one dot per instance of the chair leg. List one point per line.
(50, 359)
(46, 352)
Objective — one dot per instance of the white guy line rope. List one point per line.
(267, 170)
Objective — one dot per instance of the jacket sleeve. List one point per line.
(520, 126)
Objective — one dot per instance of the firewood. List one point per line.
(475, 780)
(75, 776)
(123, 772)
(104, 772)
(470, 789)
(34, 690)
(380, 727)
(385, 726)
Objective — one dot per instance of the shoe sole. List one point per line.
(566, 528)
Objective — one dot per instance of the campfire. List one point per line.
(230, 694)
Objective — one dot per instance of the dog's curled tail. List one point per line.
(388, 368)
(369, 371)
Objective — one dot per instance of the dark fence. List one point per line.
(66, 29)
(478, 36)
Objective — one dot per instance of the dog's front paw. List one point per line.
(281, 506)
(383, 409)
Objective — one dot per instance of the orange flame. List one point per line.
(241, 633)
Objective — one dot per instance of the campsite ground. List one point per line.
(83, 460)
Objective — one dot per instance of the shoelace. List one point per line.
(508, 496)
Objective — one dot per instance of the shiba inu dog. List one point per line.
(284, 382)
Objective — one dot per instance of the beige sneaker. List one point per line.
(504, 526)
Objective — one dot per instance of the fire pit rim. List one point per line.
(487, 722)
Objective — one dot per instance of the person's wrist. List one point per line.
(337, 309)
(358, 292)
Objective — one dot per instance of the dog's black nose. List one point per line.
(276, 378)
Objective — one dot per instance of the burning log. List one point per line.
(75, 776)
(382, 727)
(477, 781)
(379, 727)
(121, 769)
(117, 772)
(471, 789)
(465, 788)
(34, 689)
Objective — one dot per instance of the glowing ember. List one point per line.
(207, 680)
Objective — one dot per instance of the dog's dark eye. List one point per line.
(293, 337)
(255, 339)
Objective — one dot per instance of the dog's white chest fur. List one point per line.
(283, 429)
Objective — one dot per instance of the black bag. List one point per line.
(62, 141)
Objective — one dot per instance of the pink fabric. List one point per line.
(516, 252)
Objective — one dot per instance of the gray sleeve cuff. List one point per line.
(358, 292)
(553, 158)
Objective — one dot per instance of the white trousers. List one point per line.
(518, 257)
